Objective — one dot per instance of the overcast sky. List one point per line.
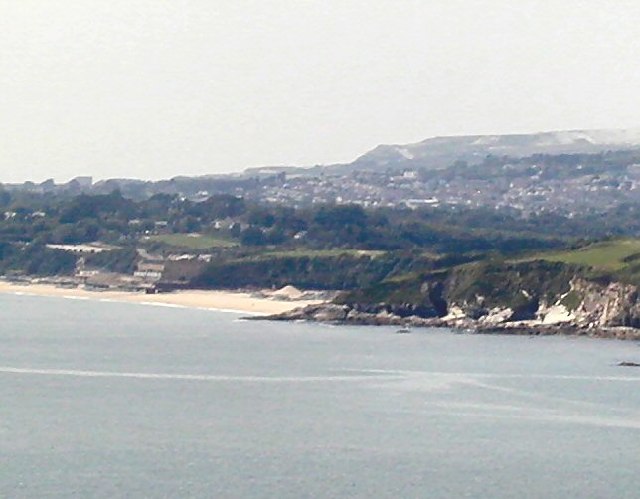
(153, 88)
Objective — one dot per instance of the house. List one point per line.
(149, 271)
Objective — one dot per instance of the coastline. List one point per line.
(340, 314)
(226, 301)
(264, 307)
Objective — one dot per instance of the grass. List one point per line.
(311, 253)
(572, 300)
(193, 241)
(609, 255)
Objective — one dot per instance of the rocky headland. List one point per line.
(529, 298)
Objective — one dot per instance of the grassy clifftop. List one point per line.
(614, 260)
(343, 269)
(523, 285)
(337, 269)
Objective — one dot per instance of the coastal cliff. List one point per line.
(533, 297)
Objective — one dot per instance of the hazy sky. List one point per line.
(153, 89)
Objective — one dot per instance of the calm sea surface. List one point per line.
(117, 400)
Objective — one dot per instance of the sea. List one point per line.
(108, 400)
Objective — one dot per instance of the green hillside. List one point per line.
(609, 255)
(609, 260)
(193, 241)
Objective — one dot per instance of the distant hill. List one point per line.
(595, 169)
(440, 152)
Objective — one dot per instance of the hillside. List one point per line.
(440, 152)
(616, 259)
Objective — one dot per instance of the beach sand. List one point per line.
(214, 300)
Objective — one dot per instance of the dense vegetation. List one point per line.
(166, 223)
(322, 247)
(328, 269)
(484, 285)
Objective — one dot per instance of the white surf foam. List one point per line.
(472, 375)
(180, 376)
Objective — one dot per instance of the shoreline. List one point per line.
(341, 315)
(256, 307)
(240, 302)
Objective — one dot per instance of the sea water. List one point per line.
(122, 400)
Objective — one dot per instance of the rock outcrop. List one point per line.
(527, 298)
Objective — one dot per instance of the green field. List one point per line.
(312, 253)
(323, 253)
(609, 255)
(192, 241)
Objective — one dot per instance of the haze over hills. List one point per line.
(436, 153)
(567, 171)
(440, 152)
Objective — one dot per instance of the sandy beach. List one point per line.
(214, 300)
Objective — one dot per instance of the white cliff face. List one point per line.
(557, 314)
(595, 305)
(615, 304)
(587, 305)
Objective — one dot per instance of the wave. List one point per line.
(182, 376)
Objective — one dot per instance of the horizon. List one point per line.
(156, 89)
(96, 179)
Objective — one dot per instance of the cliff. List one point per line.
(535, 297)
